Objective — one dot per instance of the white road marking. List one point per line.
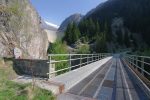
(97, 91)
(91, 81)
(128, 90)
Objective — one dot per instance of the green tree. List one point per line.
(101, 43)
(72, 33)
(119, 37)
(107, 32)
(97, 30)
(75, 33)
(68, 33)
(59, 47)
(127, 40)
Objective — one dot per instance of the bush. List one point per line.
(59, 47)
(101, 44)
(84, 49)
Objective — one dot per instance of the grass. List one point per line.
(10, 90)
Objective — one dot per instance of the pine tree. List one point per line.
(75, 33)
(127, 40)
(119, 37)
(97, 30)
(101, 43)
(68, 32)
(72, 33)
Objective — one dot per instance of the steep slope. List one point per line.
(135, 15)
(20, 28)
(73, 18)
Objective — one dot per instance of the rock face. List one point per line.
(73, 18)
(20, 28)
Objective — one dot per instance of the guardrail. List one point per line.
(62, 63)
(139, 63)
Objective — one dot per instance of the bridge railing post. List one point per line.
(88, 59)
(70, 62)
(50, 58)
(80, 60)
(96, 57)
(142, 65)
(92, 57)
(136, 63)
(132, 61)
(129, 60)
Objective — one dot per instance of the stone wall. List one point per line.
(38, 68)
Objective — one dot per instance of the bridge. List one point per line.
(99, 76)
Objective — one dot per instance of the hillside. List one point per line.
(116, 24)
(135, 15)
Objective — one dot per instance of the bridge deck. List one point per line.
(112, 81)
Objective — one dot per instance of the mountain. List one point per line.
(135, 15)
(51, 30)
(73, 18)
(20, 28)
(94, 9)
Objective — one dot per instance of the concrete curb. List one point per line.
(73, 77)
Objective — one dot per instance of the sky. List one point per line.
(56, 11)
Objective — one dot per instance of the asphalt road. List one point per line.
(112, 81)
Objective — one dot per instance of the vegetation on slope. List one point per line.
(83, 49)
(88, 32)
(135, 15)
(136, 21)
(10, 90)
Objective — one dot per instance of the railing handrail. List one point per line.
(138, 56)
(75, 54)
(141, 63)
(70, 60)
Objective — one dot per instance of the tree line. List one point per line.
(87, 30)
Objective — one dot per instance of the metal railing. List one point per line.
(62, 63)
(140, 63)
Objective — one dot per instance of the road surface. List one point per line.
(112, 81)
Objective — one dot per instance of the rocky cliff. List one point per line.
(20, 28)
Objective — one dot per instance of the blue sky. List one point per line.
(55, 11)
